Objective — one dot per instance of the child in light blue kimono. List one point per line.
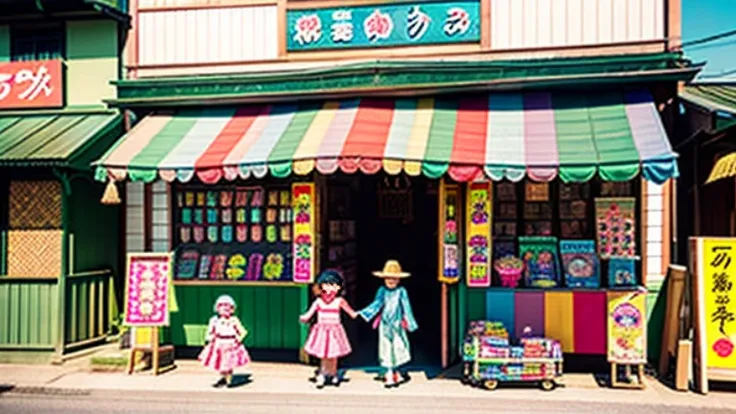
(394, 318)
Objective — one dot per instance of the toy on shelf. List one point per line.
(509, 270)
(489, 358)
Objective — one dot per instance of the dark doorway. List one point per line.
(397, 219)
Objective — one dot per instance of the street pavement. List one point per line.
(323, 403)
(284, 388)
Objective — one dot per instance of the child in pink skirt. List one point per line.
(224, 350)
(327, 339)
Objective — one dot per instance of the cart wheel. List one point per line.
(491, 384)
(548, 385)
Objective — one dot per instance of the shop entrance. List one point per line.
(396, 218)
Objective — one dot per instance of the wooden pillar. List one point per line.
(674, 24)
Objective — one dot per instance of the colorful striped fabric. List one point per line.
(503, 135)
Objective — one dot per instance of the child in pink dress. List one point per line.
(327, 339)
(224, 350)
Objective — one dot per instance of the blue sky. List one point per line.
(701, 18)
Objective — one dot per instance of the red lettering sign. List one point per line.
(31, 84)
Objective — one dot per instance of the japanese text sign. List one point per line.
(627, 328)
(479, 234)
(716, 259)
(384, 25)
(147, 289)
(31, 84)
(303, 199)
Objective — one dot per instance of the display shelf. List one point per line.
(518, 360)
(233, 283)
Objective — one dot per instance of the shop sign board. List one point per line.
(147, 289)
(303, 199)
(627, 327)
(382, 25)
(31, 84)
(713, 268)
(478, 238)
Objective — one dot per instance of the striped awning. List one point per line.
(501, 135)
(725, 168)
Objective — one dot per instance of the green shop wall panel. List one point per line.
(28, 313)
(91, 60)
(476, 301)
(656, 310)
(270, 314)
(4, 44)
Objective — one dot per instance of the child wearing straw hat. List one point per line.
(393, 317)
(224, 350)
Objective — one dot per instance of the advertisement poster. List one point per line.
(719, 302)
(303, 197)
(615, 220)
(450, 242)
(478, 237)
(147, 289)
(627, 328)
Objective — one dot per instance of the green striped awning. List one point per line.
(501, 135)
(53, 139)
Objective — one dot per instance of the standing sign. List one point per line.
(479, 234)
(31, 84)
(626, 327)
(714, 270)
(303, 198)
(147, 289)
(380, 25)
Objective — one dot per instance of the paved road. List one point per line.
(199, 403)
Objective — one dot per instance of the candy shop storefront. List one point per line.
(532, 204)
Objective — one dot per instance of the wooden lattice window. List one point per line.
(35, 205)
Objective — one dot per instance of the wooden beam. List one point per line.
(485, 24)
(644, 231)
(666, 225)
(674, 24)
(281, 27)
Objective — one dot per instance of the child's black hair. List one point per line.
(330, 276)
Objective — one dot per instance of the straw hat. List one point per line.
(392, 268)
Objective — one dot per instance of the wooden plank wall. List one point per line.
(524, 24)
(270, 314)
(28, 310)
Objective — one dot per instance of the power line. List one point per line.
(709, 39)
(719, 75)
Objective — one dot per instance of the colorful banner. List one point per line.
(304, 198)
(627, 327)
(718, 263)
(541, 263)
(147, 289)
(479, 234)
(31, 84)
(615, 220)
(580, 264)
(417, 24)
(450, 242)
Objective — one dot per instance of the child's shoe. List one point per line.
(320, 381)
(390, 380)
(220, 383)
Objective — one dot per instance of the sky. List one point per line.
(702, 18)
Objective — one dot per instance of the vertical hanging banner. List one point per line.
(627, 336)
(147, 289)
(479, 234)
(303, 196)
(450, 243)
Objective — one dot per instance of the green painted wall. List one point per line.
(656, 309)
(92, 61)
(96, 227)
(87, 308)
(4, 43)
(28, 309)
(270, 314)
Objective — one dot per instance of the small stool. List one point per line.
(155, 356)
(630, 375)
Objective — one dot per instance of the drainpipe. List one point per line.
(64, 271)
